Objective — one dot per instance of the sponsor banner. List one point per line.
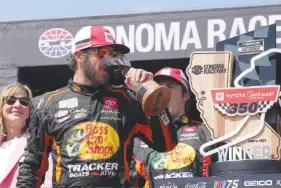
(245, 94)
(245, 100)
(241, 181)
(166, 36)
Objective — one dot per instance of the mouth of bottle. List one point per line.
(117, 74)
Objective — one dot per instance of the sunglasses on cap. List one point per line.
(25, 101)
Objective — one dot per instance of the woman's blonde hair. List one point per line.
(6, 93)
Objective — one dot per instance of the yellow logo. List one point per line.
(92, 141)
(181, 156)
(185, 119)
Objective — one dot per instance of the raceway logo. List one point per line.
(55, 43)
(209, 69)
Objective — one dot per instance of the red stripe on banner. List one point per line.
(245, 95)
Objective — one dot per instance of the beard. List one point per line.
(93, 75)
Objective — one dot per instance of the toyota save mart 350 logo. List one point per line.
(55, 43)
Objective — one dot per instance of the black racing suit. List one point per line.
(183, 161)
(90, 134)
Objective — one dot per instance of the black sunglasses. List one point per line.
(25, 101)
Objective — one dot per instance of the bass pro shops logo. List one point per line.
(181, 156)
(55, 43)
(92, 141)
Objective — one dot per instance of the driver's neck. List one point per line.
(80, 78)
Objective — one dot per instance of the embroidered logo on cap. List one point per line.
(108, 37)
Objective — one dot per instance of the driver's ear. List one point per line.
(80, 57)
(186, 96)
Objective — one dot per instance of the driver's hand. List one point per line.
(136, 77)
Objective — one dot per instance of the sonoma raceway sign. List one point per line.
(178, 39)
(149, 36)
(191, 35)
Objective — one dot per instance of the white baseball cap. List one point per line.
(95, 36)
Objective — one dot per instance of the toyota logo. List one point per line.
(110, 102)
(109, 37)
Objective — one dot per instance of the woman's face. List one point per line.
(16, 109)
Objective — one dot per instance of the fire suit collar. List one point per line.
(81, 88)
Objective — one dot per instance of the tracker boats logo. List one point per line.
(55, 43)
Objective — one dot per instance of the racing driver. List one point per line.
(89, 126)
(184, 161)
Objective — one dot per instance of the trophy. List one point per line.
(237, 95)
(153, 97)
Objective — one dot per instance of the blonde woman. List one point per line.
(14, 113)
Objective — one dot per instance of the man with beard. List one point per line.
(184, 160)
(89, 126)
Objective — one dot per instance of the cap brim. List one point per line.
(160, 77)
(121, 48)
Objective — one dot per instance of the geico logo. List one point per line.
(178, 175)
(110, 102)
(189, 135)
(92, 166)
(255, 183)
(79, 174)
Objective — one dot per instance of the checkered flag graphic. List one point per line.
(222, 107)
(264, 106)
